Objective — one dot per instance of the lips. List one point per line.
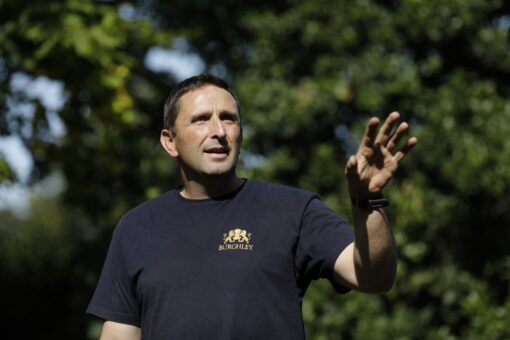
(216, 150)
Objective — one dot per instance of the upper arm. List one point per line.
(120, 331)
(345, 272)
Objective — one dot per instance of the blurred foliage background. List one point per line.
(309, 74)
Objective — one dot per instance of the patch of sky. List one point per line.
(50, 93)
(178, 61)
(127, 11)
(24, 89)
(343, 134)
(17, 156)
(503, 22)
(251, 160)
(16, 198)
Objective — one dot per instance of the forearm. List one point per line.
(370, 264)
(375, 253)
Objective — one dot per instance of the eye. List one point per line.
(230, 117)
(200, 118)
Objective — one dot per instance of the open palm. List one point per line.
(375, 162)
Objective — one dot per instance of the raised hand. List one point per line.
(377, 159)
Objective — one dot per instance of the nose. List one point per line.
(216, 127)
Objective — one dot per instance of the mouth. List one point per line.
(217, 150)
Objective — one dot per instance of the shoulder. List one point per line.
(152, 206)
(278, 188)
(137, 220)
(278, 193)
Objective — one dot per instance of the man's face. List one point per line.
(208, 133)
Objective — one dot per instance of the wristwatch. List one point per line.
(370, 203)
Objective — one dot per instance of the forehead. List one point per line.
(207, 98)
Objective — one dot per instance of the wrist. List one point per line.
(369, 202)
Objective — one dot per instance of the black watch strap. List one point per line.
(370, 203)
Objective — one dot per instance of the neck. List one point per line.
(209, 186)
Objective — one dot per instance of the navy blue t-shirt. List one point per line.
(234, 267)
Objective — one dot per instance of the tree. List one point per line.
(321, 67)
(45, 276)
(107, 153)
(308, 74)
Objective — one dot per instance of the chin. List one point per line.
(219, 171)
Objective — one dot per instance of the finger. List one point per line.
(385, 131)
(351, 166)
(400, 154)
(399, 133)
(370, 132)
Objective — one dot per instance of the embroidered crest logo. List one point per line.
(236, 239)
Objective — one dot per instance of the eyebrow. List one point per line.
(230, 113)
(209, 113)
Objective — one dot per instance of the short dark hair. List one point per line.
(172, 102)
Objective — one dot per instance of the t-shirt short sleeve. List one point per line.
(323, 236)
(115, 295)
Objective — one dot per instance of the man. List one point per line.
(228, 258)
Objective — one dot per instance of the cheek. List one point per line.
(236, 134)
(194, 136)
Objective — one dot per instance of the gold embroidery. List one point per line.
(236, 239)
(236, 235)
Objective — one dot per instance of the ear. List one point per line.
(167, 140)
